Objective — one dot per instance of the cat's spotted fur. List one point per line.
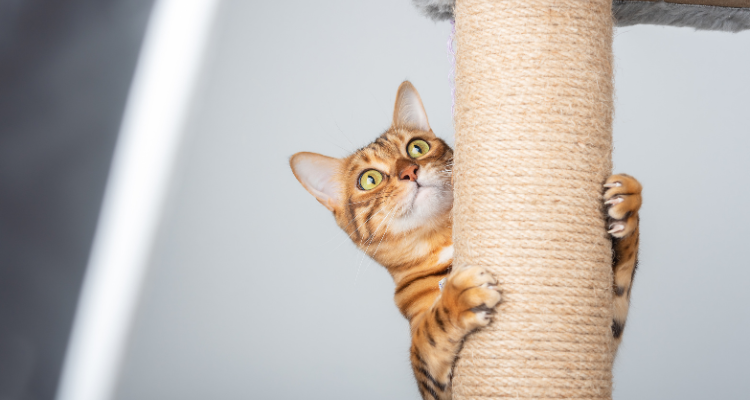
(404, 223)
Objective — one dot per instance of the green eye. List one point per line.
(370, 179)
(417, 148)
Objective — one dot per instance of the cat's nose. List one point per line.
(409, 173)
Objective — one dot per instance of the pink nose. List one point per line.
(409, 173)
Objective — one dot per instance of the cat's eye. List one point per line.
(370, 179)
(417, 148)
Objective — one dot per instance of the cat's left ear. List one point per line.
(409, 111)
(318, 174)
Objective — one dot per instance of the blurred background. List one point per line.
(251, 290)
(65, 70)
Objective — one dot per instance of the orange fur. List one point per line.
(405, 225)
(623, 196)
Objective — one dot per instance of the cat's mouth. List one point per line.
(424, 200)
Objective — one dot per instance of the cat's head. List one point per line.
(400, 183)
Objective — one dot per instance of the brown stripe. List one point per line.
(617, 328)
(439, 320)
(415, 352)
(440, 386)
(409, 280)
(429, 337)
(429, 390)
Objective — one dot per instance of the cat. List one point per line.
(394, 198)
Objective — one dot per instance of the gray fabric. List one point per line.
(437, 10)
(695, 16)
(628, 13)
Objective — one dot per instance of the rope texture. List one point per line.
(533, 148)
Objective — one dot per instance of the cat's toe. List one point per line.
(476, 317)
(472, 294)
(621, 186)
(622, 200)
(471, 277)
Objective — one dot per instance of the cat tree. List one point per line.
(533, 122)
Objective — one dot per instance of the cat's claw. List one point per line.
(616, 228)
(613, 184)
(484, 317)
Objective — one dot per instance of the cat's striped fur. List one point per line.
(404, 223)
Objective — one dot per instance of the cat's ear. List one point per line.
(317, 173)
(409, 111)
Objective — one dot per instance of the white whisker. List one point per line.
(381, 240)
(357, 229)
(347, 225)
(370, 242)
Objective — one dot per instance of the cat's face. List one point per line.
(404, 176)
(399, 183)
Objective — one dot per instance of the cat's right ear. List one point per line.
(318, 173)
(409, 111)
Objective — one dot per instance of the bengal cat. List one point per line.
(394, 197)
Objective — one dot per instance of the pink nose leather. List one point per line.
(409, 173)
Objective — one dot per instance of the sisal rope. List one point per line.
(533, 147)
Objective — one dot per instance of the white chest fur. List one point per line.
(445, 255)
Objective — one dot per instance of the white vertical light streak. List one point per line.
(152, 125)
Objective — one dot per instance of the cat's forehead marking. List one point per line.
(381, 149)
(396, 135)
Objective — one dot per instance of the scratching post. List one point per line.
(533, 123)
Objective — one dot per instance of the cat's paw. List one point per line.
(469, 297)
(622, 200)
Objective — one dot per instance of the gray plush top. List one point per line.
(627, 13)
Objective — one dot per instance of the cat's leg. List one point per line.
(466, 303)
(622, 200)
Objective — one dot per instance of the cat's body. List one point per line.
(394, 199)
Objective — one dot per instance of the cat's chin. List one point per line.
(423, 207)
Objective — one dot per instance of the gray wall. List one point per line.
(253, 292)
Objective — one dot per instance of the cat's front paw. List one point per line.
(469, 298)
(622, 200)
